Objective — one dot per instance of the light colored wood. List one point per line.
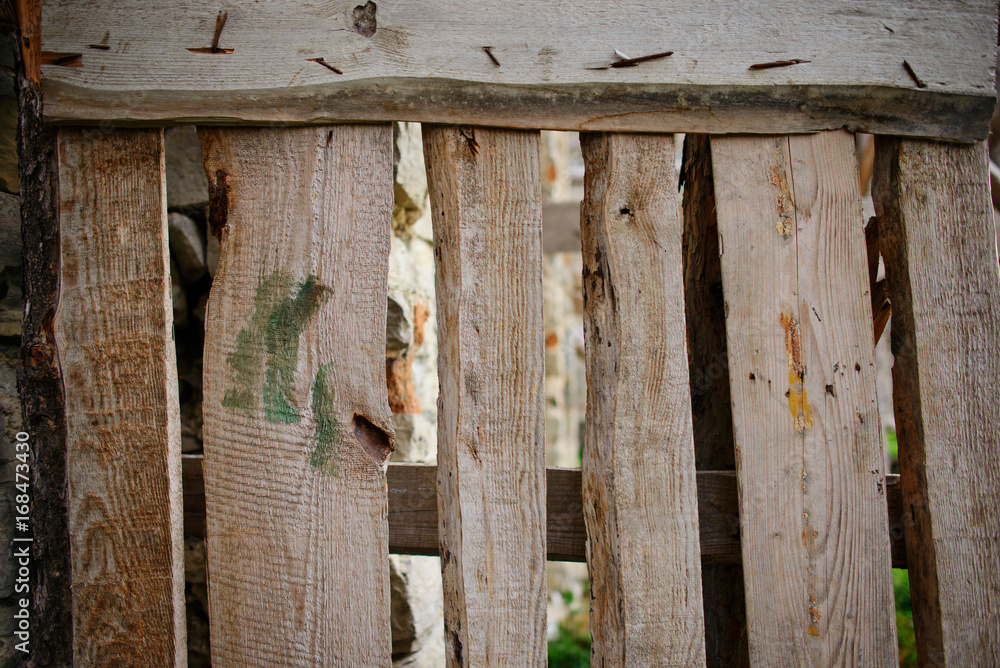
(426, 61)
(816, 558)
(937, 236)
(639, 493)
(485, 193)
(113, 330)
(297, 424)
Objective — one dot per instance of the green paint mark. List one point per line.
(273, 334)
(327, 428)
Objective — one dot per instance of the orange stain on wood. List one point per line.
(798, 402)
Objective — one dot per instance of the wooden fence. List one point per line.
(784, 560)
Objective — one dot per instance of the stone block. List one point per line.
(187, 184)
(187, 246)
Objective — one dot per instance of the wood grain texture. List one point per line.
(639, 493)
(39, 378)
(937, 235)
(485, 193)
(297, 423)
(816, 558)
(413, 512)
(113, 331)
(424, 60)
(712, 418)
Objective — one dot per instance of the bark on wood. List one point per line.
(297, 426)
(639, 491)
(39, 379)
(424, 60)
(114, 333)
(413, 512)
(722, 590)
(802, 373)
(938, 239)
(485, 194)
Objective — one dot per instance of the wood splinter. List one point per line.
(631, 62)
(62, 59)
(489, 52)
(778, 63)
(326, 65)
(913, 75)
(220, 23)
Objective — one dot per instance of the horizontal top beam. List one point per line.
(909, 67)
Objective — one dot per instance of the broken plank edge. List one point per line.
(413, 520)
(580, 107)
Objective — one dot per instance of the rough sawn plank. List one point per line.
(816, 558)
(485, 194)
(297, 425)
(427, 60)
(639, 490)
(113, 331)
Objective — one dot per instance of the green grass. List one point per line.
(904, 618)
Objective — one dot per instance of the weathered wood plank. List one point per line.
(937, 236)
(485, 195)
(113, 331)
(426, 60)
(722, 584)
(639, 491)
(297, 424)
(39, 378)
(816, 558)
(413, 512)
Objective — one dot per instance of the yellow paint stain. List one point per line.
(813, 631)
(798, 402)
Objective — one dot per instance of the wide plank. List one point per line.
(297, 424)
(816, 559)
(926, 68)
(485, 193)
(639, 494)
(113, 331)
(937, 235)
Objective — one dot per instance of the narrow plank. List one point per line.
(113, 331)
(712, 418)
(39, 378)
(297, 424)
(413, 512)
(427, 61)
(485, 195)
(639, 492)
(816, 557)
(938, 238)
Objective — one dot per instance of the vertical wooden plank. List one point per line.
(639, 490)
(813, 514)
(113, 329)
(297, 423)
(938, 238)
(39, 378)
(486, 200)
(711, 408)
